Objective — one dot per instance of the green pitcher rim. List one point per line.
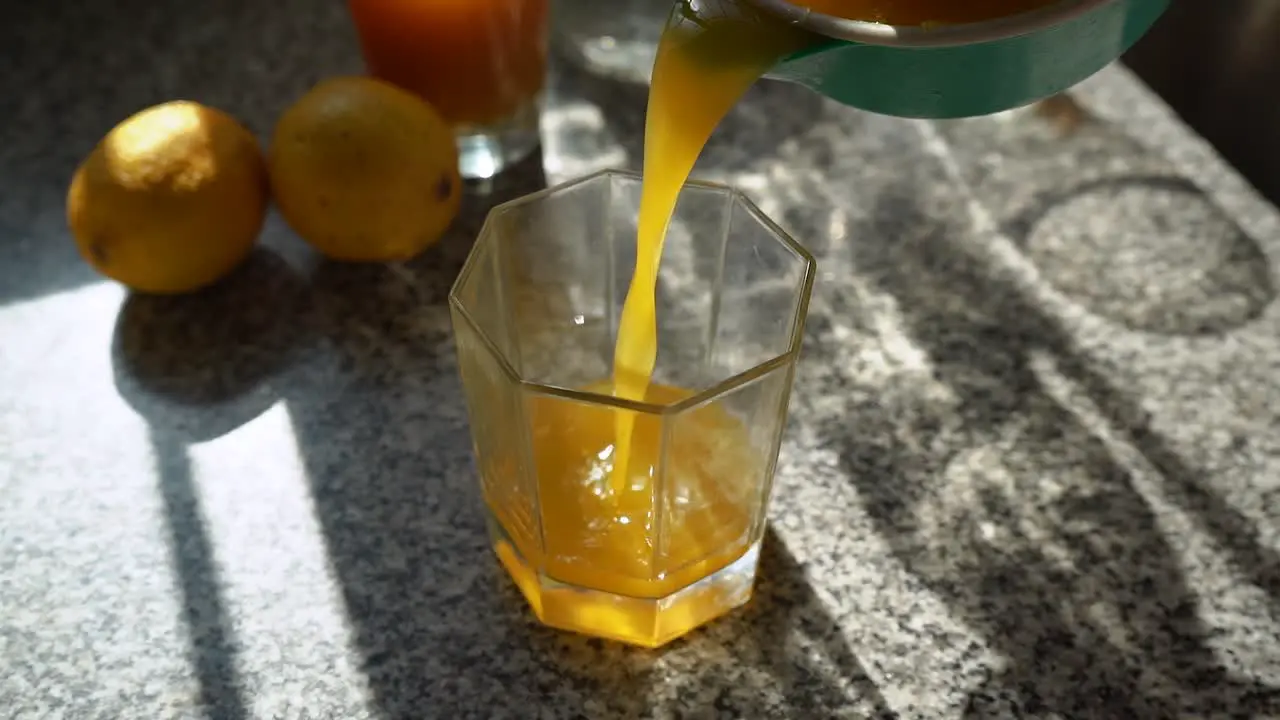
(917, 36)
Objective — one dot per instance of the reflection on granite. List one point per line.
(1116, 229)
(1030, 470)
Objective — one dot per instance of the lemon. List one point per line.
(365, 171)
(170, 200)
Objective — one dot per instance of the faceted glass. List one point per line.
(645, 553)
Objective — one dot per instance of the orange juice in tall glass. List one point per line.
(481, 63)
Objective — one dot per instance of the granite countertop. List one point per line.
(1032, 468)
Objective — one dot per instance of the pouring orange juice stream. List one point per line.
(705, 62)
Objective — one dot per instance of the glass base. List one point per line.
(646, 622)
(484, 151)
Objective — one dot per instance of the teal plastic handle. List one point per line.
(975, 79)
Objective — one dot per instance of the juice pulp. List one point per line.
(477, 61)
(618, 558)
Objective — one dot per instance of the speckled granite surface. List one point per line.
(1032, 469)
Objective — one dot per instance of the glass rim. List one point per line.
(701, 397)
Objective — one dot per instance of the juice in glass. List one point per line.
(646, 548)
(481, 63)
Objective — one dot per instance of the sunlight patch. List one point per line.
(280, 588)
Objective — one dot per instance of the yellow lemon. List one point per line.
(365, 171)
(171, 200)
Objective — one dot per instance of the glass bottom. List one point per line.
(646, 622)
(486, 150)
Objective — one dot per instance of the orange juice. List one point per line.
(477, 61)
(628, 546)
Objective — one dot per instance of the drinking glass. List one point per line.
(481, 63)
(645, 553)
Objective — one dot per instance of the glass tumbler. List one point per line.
(481, 63)
(641, 554)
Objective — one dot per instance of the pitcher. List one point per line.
(949, 69)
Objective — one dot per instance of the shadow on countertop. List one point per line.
(199, 366)
(196, 367)
(786, 634)
(1109, 223)
(1206, 278)
(1010, 507)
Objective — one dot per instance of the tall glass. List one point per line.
(481, 63)
(641, 556)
